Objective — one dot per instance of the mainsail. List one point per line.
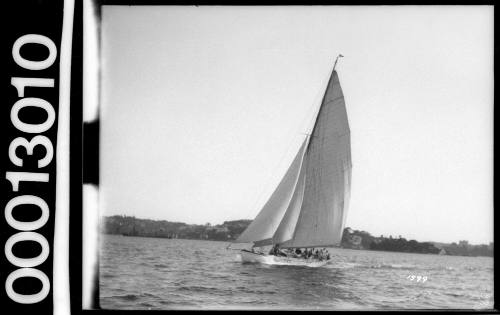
(309, 206)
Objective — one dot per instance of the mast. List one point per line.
(327, 164)
(309, 206)
(328, 174)
(337, 59)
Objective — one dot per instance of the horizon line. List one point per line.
(211, 224)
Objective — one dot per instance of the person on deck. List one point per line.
(274, 250)
(281, 253)
(325, 254)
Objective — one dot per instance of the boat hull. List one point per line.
(249, 257)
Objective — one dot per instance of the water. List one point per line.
(151, 273)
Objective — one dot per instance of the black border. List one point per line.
(75, 162)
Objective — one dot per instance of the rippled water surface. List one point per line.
(153, 273)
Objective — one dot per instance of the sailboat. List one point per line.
(308, 208)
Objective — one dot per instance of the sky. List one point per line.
(203, 109)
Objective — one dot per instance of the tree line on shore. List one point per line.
(230, 230)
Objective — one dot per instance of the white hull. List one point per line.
(248, 257)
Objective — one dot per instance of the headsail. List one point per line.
(309, 206)
(264, 225)
(287, 225)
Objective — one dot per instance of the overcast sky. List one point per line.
(203, 109)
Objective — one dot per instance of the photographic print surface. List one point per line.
(296, 157)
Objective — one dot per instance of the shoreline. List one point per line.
(340, 247)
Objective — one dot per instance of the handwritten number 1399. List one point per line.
(418, 278)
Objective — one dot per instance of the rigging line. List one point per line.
(272, 175)
(315, 104)
(312, 117)
(290, 142)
